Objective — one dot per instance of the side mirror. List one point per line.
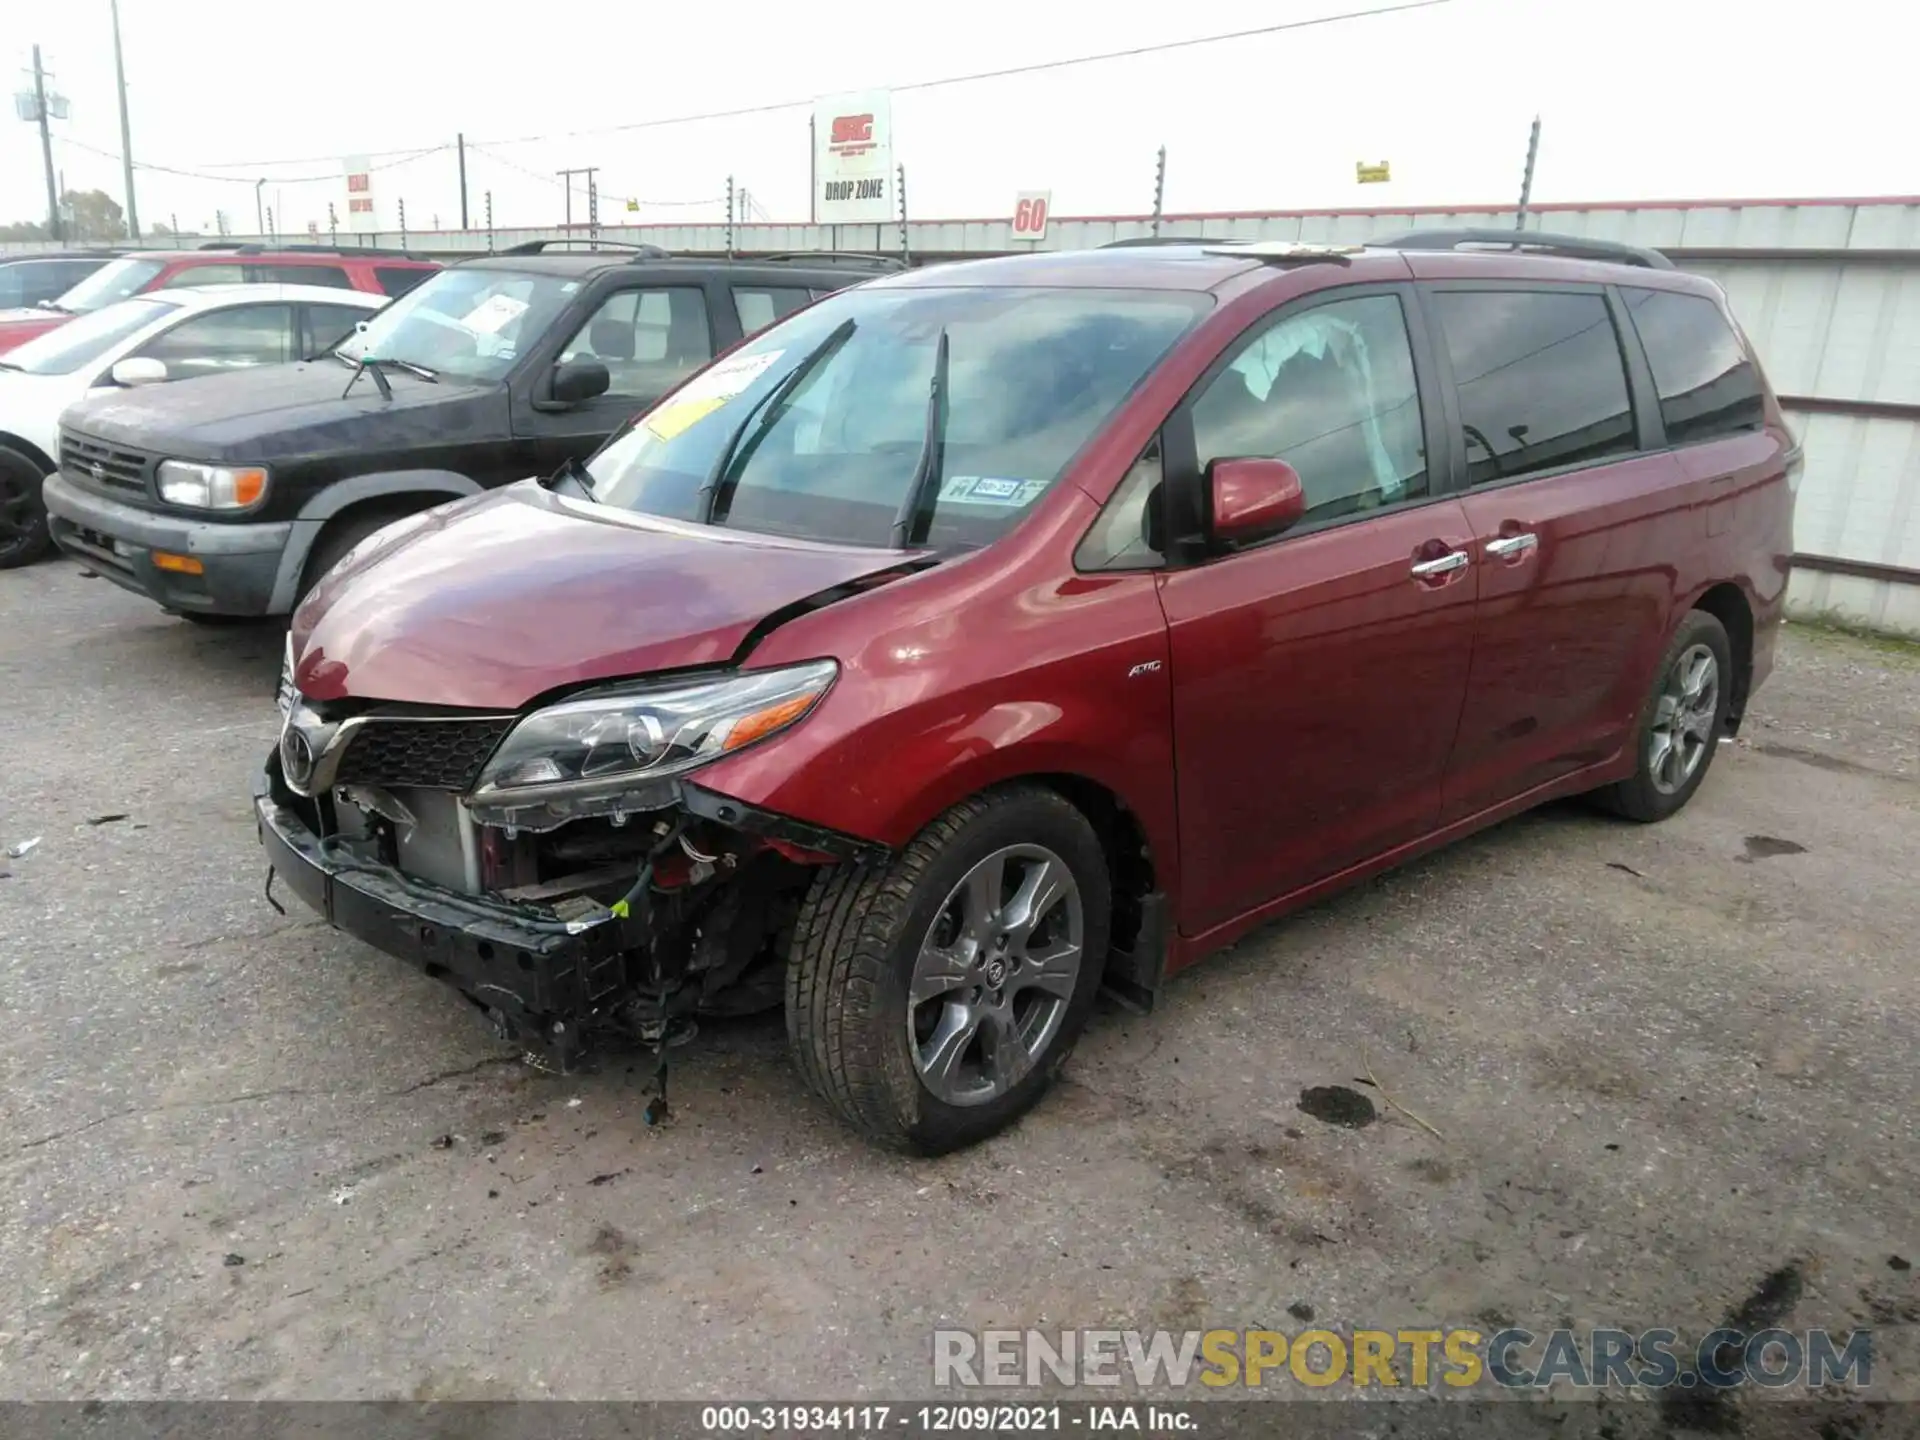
(138, 372)
(1254, 499)
(579, 380)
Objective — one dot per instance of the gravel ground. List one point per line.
(245, 1156)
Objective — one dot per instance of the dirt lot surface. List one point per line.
(1673, 1072)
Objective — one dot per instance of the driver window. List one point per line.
(649, 340)
(1331, 391)
(223, 340)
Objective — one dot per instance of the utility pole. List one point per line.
(566, 179)
(126, 137)
(46, 147)
(905, 255)
(1526, 180)
(460, 142)
(1159, 188)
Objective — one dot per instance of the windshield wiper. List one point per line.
(716, 491)
(432, 377)
(9, 365)
(915, 516)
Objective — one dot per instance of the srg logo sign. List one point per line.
(851, 129)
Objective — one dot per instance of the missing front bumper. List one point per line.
(544, 984)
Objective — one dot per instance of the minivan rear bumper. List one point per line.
(240, 562)
(540, 982)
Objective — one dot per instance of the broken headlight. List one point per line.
(618, 750)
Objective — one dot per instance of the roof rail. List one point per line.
(1141, 240)
(1576, 247)
(540, 247)
(1287, 252)
(237, 247)
(864, 257)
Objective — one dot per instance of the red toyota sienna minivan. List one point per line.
(983, 636)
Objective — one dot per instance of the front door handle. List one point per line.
(1453, 560)
(1512, 547)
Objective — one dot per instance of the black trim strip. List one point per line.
(1860, 569)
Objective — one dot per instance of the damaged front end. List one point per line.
(555, 866)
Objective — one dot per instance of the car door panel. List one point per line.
(1565, 621)
(1317, 678)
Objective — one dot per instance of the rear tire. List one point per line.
(1680, 723)
(932, 1000)
(24, 535)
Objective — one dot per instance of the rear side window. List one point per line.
(760, 305)
(1540, 379)
(1708, 386)
(398, 279)
(203, 275)
(331, 275)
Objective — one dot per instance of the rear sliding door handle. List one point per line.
(1512, 547)
(1453, 560)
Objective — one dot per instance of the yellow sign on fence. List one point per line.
(1373, 174)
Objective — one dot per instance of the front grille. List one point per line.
(432, 754)
(108, 466)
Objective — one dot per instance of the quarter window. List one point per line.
(1541, 382)
(1707, 384)
(1331, 391)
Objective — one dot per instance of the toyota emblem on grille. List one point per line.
(97, 470)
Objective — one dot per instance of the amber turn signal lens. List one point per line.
(749, 728)
(248, 486)
(179, 564)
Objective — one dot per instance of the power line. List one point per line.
(1035, 67)
(409, 156)
(551, 180)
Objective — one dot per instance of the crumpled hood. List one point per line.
(491, 601)
(277, 412)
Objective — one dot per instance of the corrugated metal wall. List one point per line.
(1829, 290)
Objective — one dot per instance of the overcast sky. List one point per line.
(1640, 99)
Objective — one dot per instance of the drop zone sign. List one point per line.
(853, 159)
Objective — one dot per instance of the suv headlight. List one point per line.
(618, 750)
(211, 487)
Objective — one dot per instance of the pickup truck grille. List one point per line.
(430, 754)
(106, 467)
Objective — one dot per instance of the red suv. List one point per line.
(377, 272)
(981, 636)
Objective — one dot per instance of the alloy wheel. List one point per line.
(995, 974)
(1683, 719)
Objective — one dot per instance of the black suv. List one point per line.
(230, 495)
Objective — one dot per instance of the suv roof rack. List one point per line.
(1282, 252)
(864, 257)
(1140, 240)
(236, 247)
(1576, 247)
(540, 247)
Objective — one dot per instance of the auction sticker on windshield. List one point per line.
(494, 314)
(706, 393)
(990, 490)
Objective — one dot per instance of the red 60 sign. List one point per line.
(1030, 210)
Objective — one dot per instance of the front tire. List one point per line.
(24, 535)
(1680, 723)
(931, 1001)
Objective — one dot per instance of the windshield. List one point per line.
(83, 341)
(847, 429)
(469, 324)
(112, 282)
